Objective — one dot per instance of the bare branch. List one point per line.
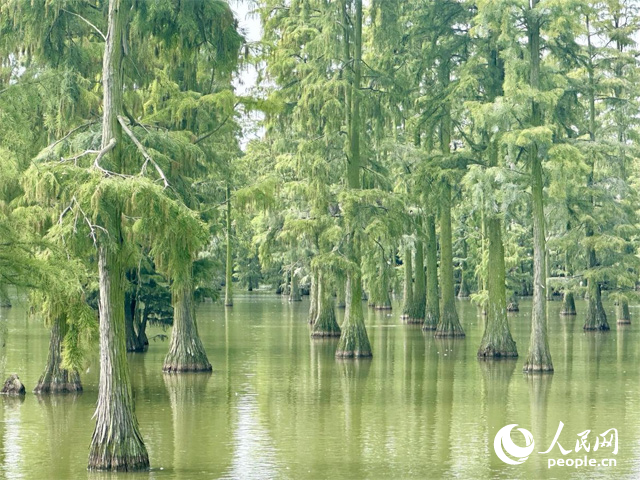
(143, 151)
(104, 37)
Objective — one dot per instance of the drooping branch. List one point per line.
(104, 37)
(143, 151)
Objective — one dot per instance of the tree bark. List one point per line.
(432, 309)
(407, 294)
(354, 341)
(228, 284)
(416, 313)
(325, 324)
(56, 379)
(116, 443)
(539, 357)
(314, 299)
(568, 304)
(497, 341)
(622, 312)
(449, 324)
(186, 352)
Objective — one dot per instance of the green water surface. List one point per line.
(279, 405)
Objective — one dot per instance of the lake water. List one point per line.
(279, 405)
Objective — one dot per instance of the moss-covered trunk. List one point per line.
(449, 324)
(432, 308)
(497, 341)
(568, 304)
(354, 341)
(56, 379)
(622, 312)
(407, 293)
(186, 352)
(116, 443)
(383, 295)
(325, 324)
(228, 283)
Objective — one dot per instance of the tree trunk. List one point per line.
(622, 312)
(186, 352)
(134, 341)
(228, 284)
(325, 324)
(463, 291)
(432, 309)
(314, 299)
(383, 298)
(56, 379)
(354, 341)
(539, 357)
(294, 290)
(116, 443)
(449, 324)
(497, 341)
(568, 304)
(416, 313)
(407, 294)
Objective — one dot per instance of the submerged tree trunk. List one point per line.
(407, 294)
(463, 291)
(539, 357)
(497, 341)
(432, 308)
(186, 352)
(313, 297)
(56, 379)
(294, 290)
(449, 324)
(622, 312)
(116, 443)
(568, 304)
(135, 341)
(341, 294)
(325, 324)
(228, 284)
(416, 312)
(354, 341)
(596, 316)
(383, 297)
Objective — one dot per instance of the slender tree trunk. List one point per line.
(539, 356)
(354, 341)
(56, 379)
(432, 309)
(416, 313)
(186, 352)
(407, 295)
(463, 291)
(383, 298)
(314, 299)
(622, 312)
(596, 316)
(449, 324)
(497, 341)
(134, 341)
(116, 443)
(228, 284)
(325, 324)
(568, 304)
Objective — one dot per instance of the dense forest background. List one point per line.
(426, 150)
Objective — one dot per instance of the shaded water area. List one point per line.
(279, 405)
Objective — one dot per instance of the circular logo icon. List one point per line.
(503, 443)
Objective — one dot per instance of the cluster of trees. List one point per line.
(479, 148)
